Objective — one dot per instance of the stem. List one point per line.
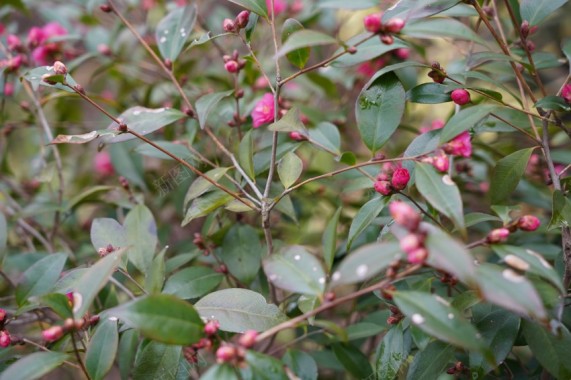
(122, 287)
(517, 128)
(255, 58)
(421, 209)
(76, 351)
(292, 323)
(476, 243)
(39, 346)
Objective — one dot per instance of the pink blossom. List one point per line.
(528, 223)
(5, 339)
(35, 36)
(40, 55)
(226, 353)
(566, 93)
(211, 327)
(395, 25)
(460, 145)
(400, 178)
(410, 243)
(263, 111)
(279, 6)
(441, 163)
(436, 124)
(13, 42)
(297, 6)
(102, 164)
(53, 29)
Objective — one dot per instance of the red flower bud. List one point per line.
(404, 215)
(52, 334)
(460, 96)
(248, 339)
(383, 187)
(395, 25)
(297, 136)
(528, 223)
(400, 179)
(225, 354)
(524, 29)
(373, 22)
(402, 53)
(232, 66)
(566, 93)
(59, 68)
(242, 19)
(387, 39)
(499, 235)
(418, 256)
(410, 243)
(211, 327)
(228, 25)
(5, 339)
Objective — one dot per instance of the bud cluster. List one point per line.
(527, 223)
(413, 242)
(373, 23)
(395, 317)
(240, 22)
(390, 180)
(55, 333)
(232, 63)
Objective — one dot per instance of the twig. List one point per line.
(39, 346)
(421, 209)
(126, 274)
(76, 351)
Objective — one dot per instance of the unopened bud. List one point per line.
(106, 8)
(248, 339)
(225, 354)
(211, 327)
(59, 68)
(168, 63)
(232, 66)
(351, 50)
(394, 25)
(387, 39)
(528, 223)
(373, 22)
(242, 19)
(2, 315)
(228, 25)
(404, 215)
(499, 235)
(53, 333)
(383, 188)
(524, 29)
(5, 339)
(79, 88)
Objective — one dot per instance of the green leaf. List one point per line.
(441, 27)
(239, 310)
(102, 349)
(329, 239)
(83, 138)
(246, 155)
(392, 352)
(105, 231)
(499, 330)
(379, 110)
(507, 174)
(205, 205)
(464, 120)
(87, 195)
(436, 317)
(298, 57)
(365, 216)
(141, 232)
(301, 364)
(40, 277)
(163, 318)
(33, 366)
(296, 270)
(93, 280)
(527, 260)
(551, 350)
(206, 104)
(3, 234)
(429, 93)
(290, 122)
(34, 76)
(174, 30)
(157, 361)
(366, 51)
(126, 352)
(431, 362)
(362, 330)
(179, 150)
(413, 9)
(326, 136)
(561, 211)
(510, 290)
(143, 121)
(535, 11)
(262, 367)
(353, 360)
(365, 263)
(193, 282)
(552, 102)
(290, 168)
(441, 192)
(201, 185)
(59, 303)
(256, 6)
(242, 252)
(305, 38)
(155, 276)
(566, 48)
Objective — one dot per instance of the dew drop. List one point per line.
(362, 270)
(417, 319)
(297, 257)
(322, 280)
(336, 276)
(163, 40)
(447, 180)
(182, 30)
(450, 316)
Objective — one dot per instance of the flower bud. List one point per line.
(402, 53)
(106, 8)
(13, 42)
(9, 89)
(383, 187)
(373, 22)
(2, 315)
(59, 68)
(404, 215)
(297, 136)
(351, 50)
(387, 39)
(441, 163)
(460, 96)
(211, 327)
(395, 25)
(499, 235)
(566, 93)
(104, 49)
(524, 29)
(528, 223)
(530, 46)
(418, 256)
(52, 334)
(410, 243)
(400, 179)
(242, 19)
(225, 354)
(248, 339)
(5, 339)
(232, 66)
(228, 25)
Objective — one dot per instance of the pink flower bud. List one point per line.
(297, 136)
(460, 96)
(232, 66)
(395, 25)
(242, 19)
(460, 145)
(13, 42)
(228, 25)
(225, 354)
(524, 29)
(373, 22)
(528, 223)
(499, 235)
(410, 243)
(402, 53)
(387, 39)
(5, 339)
(2, 315)
(35, 36)
(102, 164)
(248, 339)
(211, 327)
(404, 215)
(530, 46)
(400, 179)
(104, 49)
(383, 187)
(59, 68)
(566, 93)
(9, 89)
(418, 256)
(52, 334)
(441, 163)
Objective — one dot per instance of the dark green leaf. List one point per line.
(290, 122)
(431, 362)
(242, 252)
(179, 150)
(256, 6)
(239, 310)
(157, 361)
(155, 277)
(329, 239)
(126, 352)
(535, 11)
(507, 174)
(297, 57)
(40, 277)
(353, 360)
(551, 350)
(102, 349)
(392, 352)
(262, 367)
(141, 232)
(566, 48)
(301, 364)
(305, 38)
(365, 216)
(362, 330)
(33, 366)
(429, 93)
(163, 318)
(59, 303)
(107, 231)
(174, 30)
(193, 282)
(246, 154)
(561, 211)
(379, 110)
(326, 136)
(464, 120)
(3, 234)
(205, 205)
(205, 104)
(552, 102)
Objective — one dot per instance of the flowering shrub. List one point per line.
(272, 189)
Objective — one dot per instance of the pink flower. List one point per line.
(383, 187)
(373, 22)
(460, 145)
(499, 235)
(566, 93)
(460, 96)
(102, 164)
(279, 6)
(400, 179)
(528, 223)
(232, 66)
(297, 6)
(404, 215)
(40, 55)
(13, 42)
(53, 29)
(263, 111)
(441, 163)
(5, 339)
(35, 36)
(211, 327)
(248, 339)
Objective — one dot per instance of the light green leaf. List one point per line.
(205, 204)
(507, 174)
(205, 104)
(301, 364)
(305, 38)
(141, 232)
(329, 239)
(102, 349)
(441, 27)
(246, 154)
(201, 185)
(83, 138)
(174, 30)
(464, 120)
(157, 361)
(429, 93)
(33, 366)
(290, 122)
(365, 216)
(326, 136)
(193, 282)
(40, 277)
(535, 11)
(256, 6)
(392, 352)
(290, 168)
(431, 362)
(34, 76)
(297, 57)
